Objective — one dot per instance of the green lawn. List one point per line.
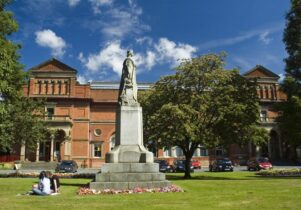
(236, 190)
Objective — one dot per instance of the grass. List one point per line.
(229, 190)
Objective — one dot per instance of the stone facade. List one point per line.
(85, 114)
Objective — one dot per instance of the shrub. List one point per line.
(280, 172)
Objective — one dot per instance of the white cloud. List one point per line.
(110, 57)
(241, 62)
(117, 22)
(96, 4)
(262, 33)
(145, 39)
(282, 77)
(167, 50)
(81, 58)
(47, 38)
(73, 3)
(82, 79)
(263, 37)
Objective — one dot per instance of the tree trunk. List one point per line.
(187, 174)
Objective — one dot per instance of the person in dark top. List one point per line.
(54, 182)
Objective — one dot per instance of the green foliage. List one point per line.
(202, 104)
(292, 40)
(290, 111)
(290, 120)
(18, 120)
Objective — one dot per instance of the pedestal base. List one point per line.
(129, 154)
(121, 176)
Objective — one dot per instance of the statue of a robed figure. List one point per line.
(129, 164)
(128, 85)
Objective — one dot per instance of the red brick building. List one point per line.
(85, 116)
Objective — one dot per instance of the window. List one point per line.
(219, 151)
(97, 132)
(97, 150)
(179, 152)
(263, 116)
(167, 152)
(204, 152)
(50, 112)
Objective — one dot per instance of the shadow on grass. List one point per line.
(204, 177)
(277, 177)
(73, 184)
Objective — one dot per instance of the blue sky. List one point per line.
(92, 36)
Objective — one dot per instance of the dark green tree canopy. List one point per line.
(202, 104)
(290, 111)
(19, 122)
(292, 40)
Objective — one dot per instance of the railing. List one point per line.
(58, 118)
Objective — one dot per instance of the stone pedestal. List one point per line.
(129, 164)
(128, 176)
(129, 138)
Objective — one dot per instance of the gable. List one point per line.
(260, 71)
(53, 65)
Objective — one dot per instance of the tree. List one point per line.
(290, 111)
(20, 117)
(202, 104)
(292, 40)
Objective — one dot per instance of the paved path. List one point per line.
(95, 170)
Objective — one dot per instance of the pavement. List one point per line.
(95, 170)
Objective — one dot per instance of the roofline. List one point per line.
(115, 86)
(48, 61)
(263, 68)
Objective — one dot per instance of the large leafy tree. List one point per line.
(290, 111)
(202, 104)
(20, 122)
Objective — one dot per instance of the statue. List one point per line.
(128, 86)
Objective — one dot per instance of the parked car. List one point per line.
(164, 166)
(258, 164)
(196, 164)
(67, 166)
(179, 166)
(223, 164)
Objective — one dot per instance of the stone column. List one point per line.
(51, 149)
(38, 152)
(198, 152)
(173, 152)
(22, 152)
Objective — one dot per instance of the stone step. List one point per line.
(128, 185)
(130, 168)
(129, 177)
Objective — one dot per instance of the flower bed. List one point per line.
(281, 172)
(85, 190)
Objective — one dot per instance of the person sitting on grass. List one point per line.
(43, 187)
(54, 182)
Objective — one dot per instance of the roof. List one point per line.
(261, 71)
(52, 65)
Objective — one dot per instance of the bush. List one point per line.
(280, 172)
(6, 166)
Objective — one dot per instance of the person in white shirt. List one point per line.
(43, 188)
